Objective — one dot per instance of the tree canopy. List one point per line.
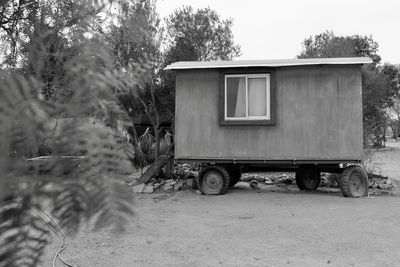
(327, 44)
(198, 36)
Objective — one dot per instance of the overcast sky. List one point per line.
(267, 29)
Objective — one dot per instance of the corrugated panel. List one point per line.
(267, 63)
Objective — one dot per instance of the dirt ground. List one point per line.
(271, 226)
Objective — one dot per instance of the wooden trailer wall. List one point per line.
(318, 116)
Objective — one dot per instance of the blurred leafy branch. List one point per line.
(58, 82)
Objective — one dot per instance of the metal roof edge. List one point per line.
(267, 63)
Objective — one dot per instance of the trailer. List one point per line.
(299, 115)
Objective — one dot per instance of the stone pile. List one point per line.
(169, 185)
(330, 180)
(184, 177)
(383, 183)
(281, 179)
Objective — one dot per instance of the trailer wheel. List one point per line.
(354, 182)
(234, 174)
(214, 180)
(299, 181)
(308, 178)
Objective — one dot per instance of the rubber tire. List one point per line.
(224, 175)
(345, 181)
(299, 180)
(234, 174)
(303, 173)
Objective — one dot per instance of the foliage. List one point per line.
(369, 163)
(134, 40)
(142, 151)
(327, 44)
(133, 36)
(393, 74)
(96, 193)
(199, 35)
(378, 82)
(62, 72)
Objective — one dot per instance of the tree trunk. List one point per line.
(394, 133)
(157, 140)
(384, 133)
(398, 125)
(157, 123)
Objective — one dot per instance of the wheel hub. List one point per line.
(213, 181)
(309, 180)
(356, 185)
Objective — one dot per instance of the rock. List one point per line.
(384, 186)
(178, 186)
(138, 188)
(268, 182)
(134, 176)
(198, 192)
(156, 186)
(189, 183)
(372, 184)
(254, 184)
(148, 189)
(247, 178)
(169, 181)
(168, 187)
(260, 178)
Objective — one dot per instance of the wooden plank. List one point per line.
(154, 169)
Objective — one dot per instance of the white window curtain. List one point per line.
(257, 96)
(240, 110)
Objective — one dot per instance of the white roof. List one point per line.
(267, 63)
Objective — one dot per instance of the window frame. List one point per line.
(269, 74)
(267, 78)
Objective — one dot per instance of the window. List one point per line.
(247, 97)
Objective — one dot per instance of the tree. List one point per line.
(39, 36)
(199, 36)
(378, 89)
(393, 74)
(327, 44)
(135, 44)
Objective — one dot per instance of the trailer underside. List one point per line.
(219, 174)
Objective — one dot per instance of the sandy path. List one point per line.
(249, 228)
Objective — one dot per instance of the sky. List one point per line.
(267, 29)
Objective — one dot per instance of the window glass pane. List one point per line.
(257, 96)
(236, 97)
